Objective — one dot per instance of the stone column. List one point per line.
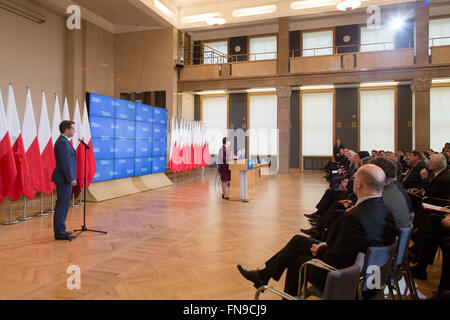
(283, 125)
(421, 132)
(422, 26)
(283, 46)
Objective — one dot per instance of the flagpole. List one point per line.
(10, 221)
(52, 208)
(24, 217)
(41, 213)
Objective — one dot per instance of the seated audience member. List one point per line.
(368, 224)
(374, 153)
(336, 180)
(401, 158)
(416, 163)
(380, 153)
(395, 157)
(336, 149)
(426, 241)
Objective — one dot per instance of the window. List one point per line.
(317, 43)
(377, 39)
(214, 115)
(377, 119)
(439, 32)
(215, 52)
(439, 117)
(263, 48)
(317, 123)
(263, 133)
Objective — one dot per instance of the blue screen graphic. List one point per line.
(129, 139)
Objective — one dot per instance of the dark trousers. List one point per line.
(427, 238)
(63, 191)
(291, 257)
(335, 211)
(444, 284)
(330, 196)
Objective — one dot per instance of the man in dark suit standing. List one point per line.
(65, 177)
(368, 224)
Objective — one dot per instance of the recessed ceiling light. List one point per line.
(254, 11)
(348, 5)
(215, 21)
(199, 17)
(309, 4)
(162, 7)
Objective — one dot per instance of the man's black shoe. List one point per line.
(63, 237)
(68, 233)
(312, 215)
(253, 276)
(313, 232)
(419, 273)
(314, 223)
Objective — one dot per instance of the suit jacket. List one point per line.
(439, 186)
(66, 162)
(369, 224)
(413, 179)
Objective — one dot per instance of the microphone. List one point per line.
(84, 144)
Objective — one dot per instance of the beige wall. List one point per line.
(186, 106)
(144, 61)
(33, 55)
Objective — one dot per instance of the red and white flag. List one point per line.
(46, 148)
(56, 120)
(32, 151)
(79, 148)
(8, 171)
(90, 158)
(20, 158)
(205, 148)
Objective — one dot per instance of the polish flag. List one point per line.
(56, 120)
(79, 148)
(66, 115)
(46, 148)
(18, 149)
(32, 151)
(172, 144)
(8, 171)
(175, 157)
(90, 158)
(205, 148)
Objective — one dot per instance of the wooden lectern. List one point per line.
(239, 180)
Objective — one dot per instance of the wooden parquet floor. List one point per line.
(179, 242)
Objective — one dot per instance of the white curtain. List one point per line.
(317, 43)
(377, 39)
(263, 133)
(377, 119)
(211, 57)
(439, 117)
(317, 124)
(263, 48)
(214, 115)
(439, 28)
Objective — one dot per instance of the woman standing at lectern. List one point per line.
(225, 155)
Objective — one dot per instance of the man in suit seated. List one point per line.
(415, 163)
(368, 224)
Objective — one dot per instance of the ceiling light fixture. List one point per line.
(442, 80)
(317, 87)
(215, 21)
(309, 4)
(261, 90)
(378, 84)
(211, 92)
(254, 11)
(161, 7)
(348, 5)
(199, 17)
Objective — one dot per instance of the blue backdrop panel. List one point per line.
(125, 129)
(125, 148)
(102, 106)
(144, 148)
(159, 164)
(159, 132)
(105, 170)
(144, 113)
(159, 116)
(159, 148)
(125, 110)
(102, 127)
(143, 166)
(144, 130)
(103, 148)
(123, 168)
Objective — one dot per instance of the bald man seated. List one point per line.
(368, 224)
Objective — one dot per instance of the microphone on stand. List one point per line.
(84, 144)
